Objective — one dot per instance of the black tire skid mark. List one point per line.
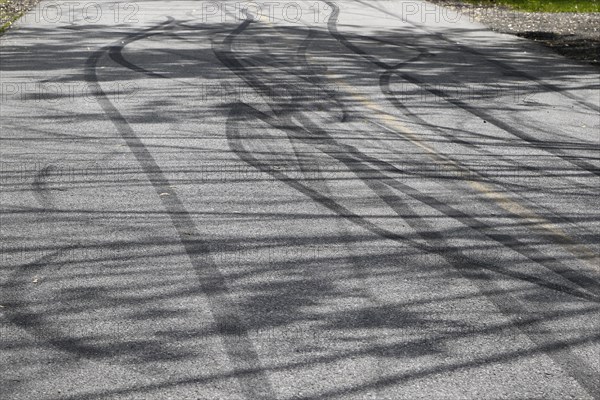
(551, 263)
(508, 241)
(43, 193)
(554, 350)
(532, 254)
(253, 382)
(227, 56)
(332, 27)
(465, 49)
(303, 49)
(424, 52)
(554, 217)
(309, 74)
(540, 144)
(313, 78)
(507, 304)
(385, 86)
(556, 151)
(467, 267)
(19, 313)
(213, 285)
(366, 174)
(22, 316)
(389, 71)
(294, 94)
(116, 52)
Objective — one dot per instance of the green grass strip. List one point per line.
(553, 6)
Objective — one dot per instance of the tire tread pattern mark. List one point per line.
(349, 155)
(572, 275)
(559, 351)
(584, 165)
(465, 49)
(234, 334)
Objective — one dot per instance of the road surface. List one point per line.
(294, 200)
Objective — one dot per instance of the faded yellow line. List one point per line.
(492, 192)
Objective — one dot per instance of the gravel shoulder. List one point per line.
(11, 10)
(574, 35)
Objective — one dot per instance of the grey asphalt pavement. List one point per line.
(294, 200)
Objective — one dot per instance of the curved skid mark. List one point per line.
(311, 76)
(116, 52)
(238, 347)
(253, 381)
(346, 156)
(468, 268)
(554, 350)
(556, 218)
(507, 304)
(20, 315)
(351, 157)
(332, 26)
(500, 64)
(552, 264)
(567, 273)
(384, 84)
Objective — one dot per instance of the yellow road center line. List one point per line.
(492, 192)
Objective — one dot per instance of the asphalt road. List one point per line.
(362, 200)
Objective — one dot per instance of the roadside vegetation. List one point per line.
(554, 6)
(567, 27)
(10, 11)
